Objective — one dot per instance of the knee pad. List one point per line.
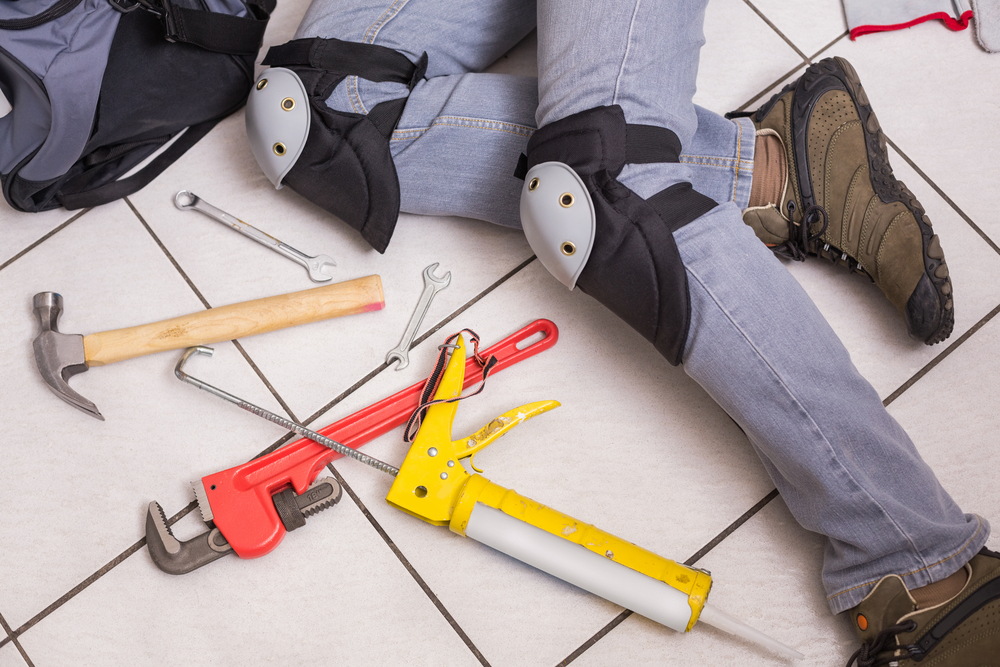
(591, 231)
(337, 160)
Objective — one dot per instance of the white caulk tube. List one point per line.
(602, 576)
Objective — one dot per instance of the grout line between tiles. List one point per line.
(775, 29)
(939, 358)
(430, 332)
(170, 257)
(808, 60)
(941, 193)
(714, 542)
(598, 636)
(12, 638)
(832, 42)
(44, 238)
(410, 569)
(357, 385)
(113, 563)
(771, 86)
(204, 301)
(267, 383)
(731, 528)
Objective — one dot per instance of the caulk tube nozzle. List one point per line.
(726, 623)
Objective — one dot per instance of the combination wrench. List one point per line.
(187, 201)
(432, 286)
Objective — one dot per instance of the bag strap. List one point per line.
(75, 195)
(212, 31)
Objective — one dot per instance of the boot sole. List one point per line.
(932, 293)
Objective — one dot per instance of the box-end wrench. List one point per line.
(432, 285)
(187, 201)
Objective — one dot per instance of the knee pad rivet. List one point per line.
(533, 184)
(279, 149)
(288, 104)
(566, 200)
(568, 248)
(261, 84)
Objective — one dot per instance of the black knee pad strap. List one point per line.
(346, 166)
(634, 268)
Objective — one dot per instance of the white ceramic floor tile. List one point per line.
(935, 96)
(19, 230)
(741, 56)
(85, 482)
(310, 365)
(867, 322)
(809, 24)
(10, 657)
(636, 449)
(333, 592)
(767, 575)
(952, 415)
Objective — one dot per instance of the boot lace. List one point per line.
(869, 653)
(799, 237)
(801, 242)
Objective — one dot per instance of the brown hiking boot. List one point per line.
(962, 632)
(839, 181)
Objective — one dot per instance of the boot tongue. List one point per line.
(888, 602)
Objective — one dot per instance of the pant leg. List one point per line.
(456, 116)
(757, 344)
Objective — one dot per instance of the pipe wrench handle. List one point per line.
(240, 497)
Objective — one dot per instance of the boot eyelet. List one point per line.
(261, 84)
(533, 184)
(288, 104)
(279, 149)
(791, 206)
(566, 200)
(568, 248)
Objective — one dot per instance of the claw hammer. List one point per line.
(60, 356)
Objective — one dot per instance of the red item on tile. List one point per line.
(240, 497)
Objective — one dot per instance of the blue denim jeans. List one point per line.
(757, 344)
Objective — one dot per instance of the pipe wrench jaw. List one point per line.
(432, 478)
(176, 557)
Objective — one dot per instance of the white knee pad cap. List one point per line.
(557, 215)
(278, 119)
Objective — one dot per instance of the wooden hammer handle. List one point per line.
(236, 321)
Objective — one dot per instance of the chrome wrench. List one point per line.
(432, 285)
(316, 266)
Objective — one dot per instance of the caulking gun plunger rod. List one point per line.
(530, 540)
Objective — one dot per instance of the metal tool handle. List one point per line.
(185, 200)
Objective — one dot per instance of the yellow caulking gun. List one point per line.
(439, 483)
(435, 485)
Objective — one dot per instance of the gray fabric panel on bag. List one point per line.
(22, 132)
(81, 41)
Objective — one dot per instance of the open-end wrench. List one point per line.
(432, 286)
(316, 266)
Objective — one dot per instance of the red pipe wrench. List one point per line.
(241, 501)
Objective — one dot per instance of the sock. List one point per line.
(940, 591)
(769, 170)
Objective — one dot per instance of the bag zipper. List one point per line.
(60, 8)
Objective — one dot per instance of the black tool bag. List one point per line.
(97, 86)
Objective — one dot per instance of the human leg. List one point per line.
(844, 466)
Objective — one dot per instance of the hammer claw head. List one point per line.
(59, 356)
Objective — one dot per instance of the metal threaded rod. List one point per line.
(277, 419)
(321, 439)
